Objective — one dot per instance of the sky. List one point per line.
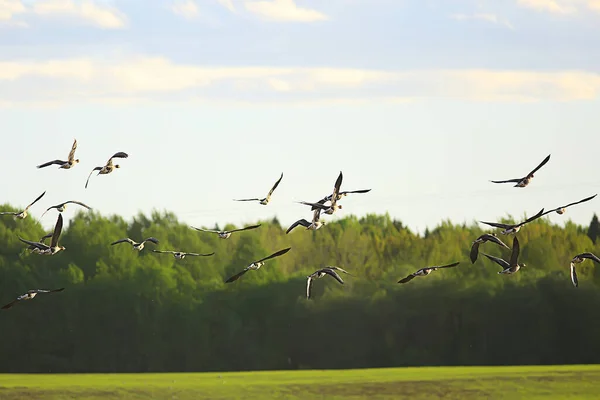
(422, 101)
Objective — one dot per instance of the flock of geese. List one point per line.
(327, 205)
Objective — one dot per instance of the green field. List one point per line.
(560, 382)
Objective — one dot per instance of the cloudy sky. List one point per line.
(424, 101)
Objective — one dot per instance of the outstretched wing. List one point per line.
(308, 284)
(246, 199)
(88, 178)
(274, 186)
(243, 229)
(79, 203)
(237, 276)
(276, 254)
(314, 206)
(35, 201)
(37, 245)
(333, 274)
(151, 239)
(407, 279)
(497, 225)
(57, 231)
(49, 291)
(204, 230)
(580, 201)
(302, 222)
(8, 213)
(508, 181)
(497, 240)
(71, 157)
(164, 251)
(123, 241)
(356, 191)
(539, 166)
(449, 265)
(574, 275)
(57, 162)
(503, 263)
(536, 216)
(119, 154)
(336, 188)
(474, 252)
(200, 255)
(9, 305)
(589, 256)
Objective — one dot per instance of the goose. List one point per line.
(333, 198)
(108, 168)
(62, 206)
(255, 265)
(70, 163)
(22, 214)
(180, 255)
(491, 237)
(522, 182)
(561, 210)
(136, 246)
(512, 266)
(29, 296)
(227, 234)
(314, 225)
(321, 273)
(34, 249)
(578, 259)
(53, 248)
(266, 200)
(344, 194)
(426, 271)
(513, 228)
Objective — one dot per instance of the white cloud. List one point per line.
(85, 10)
(552, 6)
(283, 10)
(228, 4)
(594, 5)
(492, 18)
(156, 79)
(9, 8)
(187, 9)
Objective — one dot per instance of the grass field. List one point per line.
(560, 382)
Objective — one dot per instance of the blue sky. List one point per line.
(422, 101)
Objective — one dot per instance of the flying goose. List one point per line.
(426, 271)
(314, 225)
(29, 296)
(54, 248)
(62, 206)
(109, 167)
(512, 266)
(562, 210)
(491, 237)
(343, 194)
(266, 200)
(226, 234)
(513, 228)
(579, 258)
(522, 182)
(71, 161)
(321, 273)
(333, 198)
(180, 255)
(23, 214)
(136, 246)
(337, 195)
(34, 249)
(256, 265)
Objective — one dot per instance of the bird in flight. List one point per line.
(561, 210)
(136, 246)
(29, 296)
(426, 271)
(488, 237)
(70, 163)
(22, 214)
(578, 259)
(227, 234)
(331, 271)
(255, 265)
(522, 182)
(265, 200)
(513, 228)
(314, 225)
(62, 206)
(333, 206)
(53, 248)
(180, 255)
(108, 168)
(512, 266)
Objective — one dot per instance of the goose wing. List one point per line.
(514, 256)
(151, 239)
(123, 241)
(333, 274)
(46, 236)
(407, 279)
(509, 181)
(474, 252)
(536, 216)
(9, 305)
(237, 276)
(243, 229)
(336, 188)
(71, 157)
(496, 239)
(274, 186)
(449, 265)
(302, 222)
(165, 251)
(276, 254)
(539, 166)
(308, 284)
(246, 199)
(49, 291)
(36, 245)
(119, 154)
(355, 191)
(57, 231)
(572, 204)
(35, 201)
(8, 213)
(50, 208)
(339, 269)
(574, 275)
(498, 225)
(88, 178)
(78, 203)
(503, 263)
(57, 162)
(314, 206)
(589, 256)
(205, 230)
(200, 255)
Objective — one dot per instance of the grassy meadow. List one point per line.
(522, 382)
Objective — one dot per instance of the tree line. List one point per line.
(124, 311)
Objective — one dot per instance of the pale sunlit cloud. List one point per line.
(84, 11)
(155, 79)
(552, 6)
(228, 4)
(186, 9)
(283, 10)
(10, 8)
(491, 18)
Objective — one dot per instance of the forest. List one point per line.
(129, 311)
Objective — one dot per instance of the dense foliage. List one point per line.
(128, 311)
